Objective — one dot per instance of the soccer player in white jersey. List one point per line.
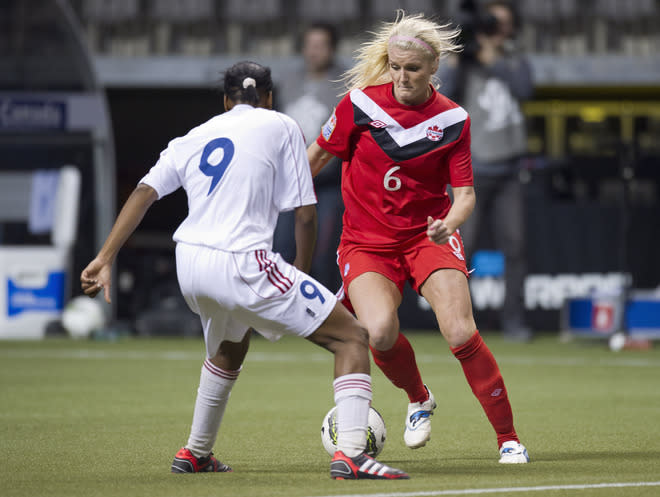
(239, 170)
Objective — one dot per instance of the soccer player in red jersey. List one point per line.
(402, 143)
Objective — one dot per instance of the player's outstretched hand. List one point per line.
(437, 231)
(95, 277)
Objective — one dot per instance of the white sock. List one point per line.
(353, 399)
(215, 386)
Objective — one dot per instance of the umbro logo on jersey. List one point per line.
(434, 133)
(377, 124)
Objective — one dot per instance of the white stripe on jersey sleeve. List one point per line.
(399, 134)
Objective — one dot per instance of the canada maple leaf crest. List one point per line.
(434, 133)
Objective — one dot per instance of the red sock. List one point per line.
(400, 366)
(485, 379)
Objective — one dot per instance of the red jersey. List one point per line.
(398, 161)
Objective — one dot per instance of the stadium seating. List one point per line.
(208, 27)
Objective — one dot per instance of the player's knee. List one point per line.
(354, 337)
(458, 332)
(341, 332)
(360, 334)
(383, 334)
(351, 330)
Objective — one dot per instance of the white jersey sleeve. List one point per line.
(293, 182)
(163, 176)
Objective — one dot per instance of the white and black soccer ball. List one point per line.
(376, 433)
(82, 316)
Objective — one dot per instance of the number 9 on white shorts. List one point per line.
(232, 291)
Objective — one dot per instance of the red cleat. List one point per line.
(186, 462)
(362, 467)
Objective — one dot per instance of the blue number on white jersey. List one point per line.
(310, 291)
(216, 171)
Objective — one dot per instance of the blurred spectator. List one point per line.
(309, 94)
(490, 79)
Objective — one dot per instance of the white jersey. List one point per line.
(239, 170)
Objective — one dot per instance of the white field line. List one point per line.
(478, 491)
(11, 353)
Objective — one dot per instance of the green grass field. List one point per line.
(89, 418)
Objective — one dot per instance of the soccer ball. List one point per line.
(376, 433)
(82, 316)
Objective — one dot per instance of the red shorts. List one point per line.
(413, 261)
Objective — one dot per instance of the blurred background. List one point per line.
(101, 86)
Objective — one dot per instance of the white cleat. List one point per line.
(513, 452)
(418, 422)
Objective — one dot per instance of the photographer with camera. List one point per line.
(490, 79)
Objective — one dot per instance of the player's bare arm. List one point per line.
(439, 230)
(305, 233)
(318, 158)
(97, 275)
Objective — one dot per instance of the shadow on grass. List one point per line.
(600, 455)
(540, 462)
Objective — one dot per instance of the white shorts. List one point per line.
(233, 291)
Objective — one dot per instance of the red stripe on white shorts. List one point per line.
(275, 276)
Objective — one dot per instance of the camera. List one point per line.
(472, 20)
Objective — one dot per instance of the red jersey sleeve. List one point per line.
(460, 159)
(336, 133)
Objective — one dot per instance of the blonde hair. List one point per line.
(413, 32)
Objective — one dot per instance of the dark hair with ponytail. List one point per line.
(246, 82)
